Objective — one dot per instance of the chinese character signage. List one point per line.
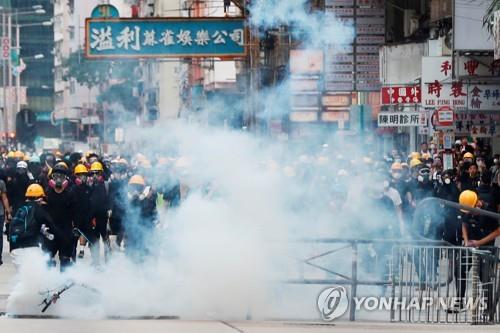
(401, 95)
(165, 37)
(401, 119)
(479, 124)
(477, 66)
(438, 88)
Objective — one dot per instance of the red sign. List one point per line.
(444, 117)
(401, 95)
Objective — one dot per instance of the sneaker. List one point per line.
(81, 254)
(1, 262)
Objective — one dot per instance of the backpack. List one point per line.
(23, 225)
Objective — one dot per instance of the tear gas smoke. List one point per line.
(224, 252)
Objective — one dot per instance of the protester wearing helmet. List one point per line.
(61, 207)
(141, 217)
(35, 167)
(83, 208)
(18, 184)
(31, 221)
(101, 210)
(477, 231)
(447, 189)
(400, 182)
(468, 158)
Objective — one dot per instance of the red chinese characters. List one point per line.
(401, 95)
(457, 89)
(445, 67)
(471, 67)
(435, 88)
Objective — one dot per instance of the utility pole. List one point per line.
(4, 81)
(18, 77)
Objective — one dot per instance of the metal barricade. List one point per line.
(444, 284)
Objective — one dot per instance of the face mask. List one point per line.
(447, 181)
(80, 180)
(59, 184)
(420, 178)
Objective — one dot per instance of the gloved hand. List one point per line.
(45, 232)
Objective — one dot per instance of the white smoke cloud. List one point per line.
(223, 255)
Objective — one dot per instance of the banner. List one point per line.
(164, 37)
(401, 119)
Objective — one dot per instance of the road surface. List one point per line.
(29, 325)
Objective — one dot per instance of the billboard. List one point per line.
(164, 37)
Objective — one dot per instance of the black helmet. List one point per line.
(60, 167)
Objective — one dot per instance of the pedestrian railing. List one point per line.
(443, 284)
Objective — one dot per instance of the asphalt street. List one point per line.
(42, 325)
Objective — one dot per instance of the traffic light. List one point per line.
(26, 127)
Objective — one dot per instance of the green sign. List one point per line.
(165, 37)
(103, 11)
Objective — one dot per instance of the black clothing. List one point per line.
(16, 190)
(61, 207)
(41, 217)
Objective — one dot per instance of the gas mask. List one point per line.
(423, 175)
(80, 180)
(95, 178)
(58, 182)
(135, 192)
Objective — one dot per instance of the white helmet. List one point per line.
(22, 165)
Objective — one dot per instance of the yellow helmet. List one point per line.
(426, 156)
(19, 154)
(396, 166)
(35, 191)
(146, 164)
(96, 166)
(468, 198)
(415, 155)
(137, 180)
(80, 168)
(415, 162)
(468, 155)
(10, 154)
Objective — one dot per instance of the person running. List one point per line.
(61, 207)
